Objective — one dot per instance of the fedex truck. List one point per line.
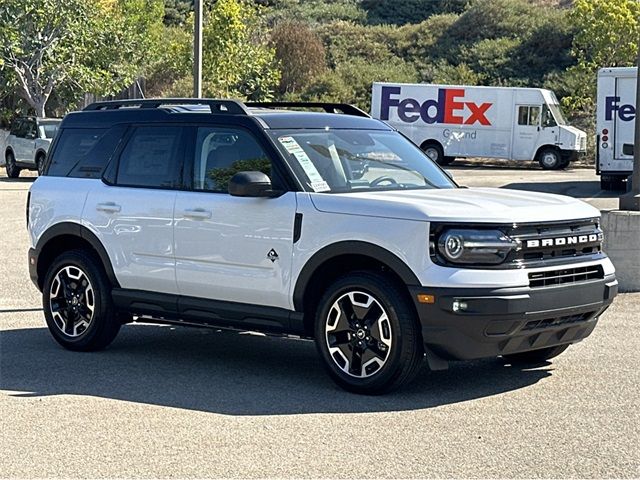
(615, 124)
(465, 121)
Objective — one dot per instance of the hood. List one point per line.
(573, 131)
(477, 205)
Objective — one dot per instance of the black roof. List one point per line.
(269, 115)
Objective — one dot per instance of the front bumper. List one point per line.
(510, 320)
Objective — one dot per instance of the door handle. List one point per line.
(108, 207)
(197, 214)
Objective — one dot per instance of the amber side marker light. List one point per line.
(424, 298)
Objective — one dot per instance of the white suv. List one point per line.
(27, 144)
(323, 225)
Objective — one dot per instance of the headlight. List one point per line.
(476, 246)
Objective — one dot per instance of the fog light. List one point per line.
(459, 306)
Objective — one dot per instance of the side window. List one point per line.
(547, 118)
(21, 129)
(529, 116)
(83, 152)
(152, 158)
(29, 129)
(15, 127)
(523, 115)
(221, 153)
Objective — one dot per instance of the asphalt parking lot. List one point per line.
(177, 402)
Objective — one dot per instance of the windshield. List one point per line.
(48, 130)
(557, 113)
(338, 161)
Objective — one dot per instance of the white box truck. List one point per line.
(449, 121)
(615, 125)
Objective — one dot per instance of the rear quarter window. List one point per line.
(84, 152)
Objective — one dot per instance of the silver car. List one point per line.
(27, 144)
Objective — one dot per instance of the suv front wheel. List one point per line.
(367, 335)
(77, 303)
(13, 171)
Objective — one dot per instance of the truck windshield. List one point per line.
(339, 161)
(557, 114)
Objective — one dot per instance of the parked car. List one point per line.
(27, 144)
(321, 225)
(451, 122)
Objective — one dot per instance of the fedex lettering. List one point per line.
(626, 113)
(446, 109)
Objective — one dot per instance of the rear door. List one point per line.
(624, 122)
(132, 213)
(232, 249)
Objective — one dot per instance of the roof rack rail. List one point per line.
(328, 107)
(217, 106)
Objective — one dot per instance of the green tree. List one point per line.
(237, 61)
(300, 53)
(607, 35)
(74, 46)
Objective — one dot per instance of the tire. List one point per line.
(40, 164)
(550, 159)
(606, 183)
(612, 182)
(435, 152)
(13, 171)
(77, 303)
(536, 356)
(368, 356)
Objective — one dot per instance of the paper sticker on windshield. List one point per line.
(320, 186)
(317, 182)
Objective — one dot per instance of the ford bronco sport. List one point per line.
(327, 225)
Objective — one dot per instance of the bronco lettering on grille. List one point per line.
(561, 241)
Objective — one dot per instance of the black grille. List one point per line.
(545, 243)
(565, 275)
(555, 322)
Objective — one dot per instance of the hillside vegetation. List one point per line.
(334, 49)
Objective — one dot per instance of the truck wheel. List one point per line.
(40, 164)
(12, 169)
(77, 303)
(536, 356)
(549, 159)
(435, 153)
(367, 334)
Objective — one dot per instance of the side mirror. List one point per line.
(30, 136)
(251, 184)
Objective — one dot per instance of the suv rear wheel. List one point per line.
(77, 303)
(13, 171)
(367, 334)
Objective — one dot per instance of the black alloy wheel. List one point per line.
(367, 333)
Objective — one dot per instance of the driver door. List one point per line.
(232, 249)
(526, 132)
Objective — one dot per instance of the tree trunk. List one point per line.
(39, 108)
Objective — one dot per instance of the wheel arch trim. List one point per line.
(76, 230)
(360, 248)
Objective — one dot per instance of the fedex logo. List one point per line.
(446, 109)
(626, 113)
